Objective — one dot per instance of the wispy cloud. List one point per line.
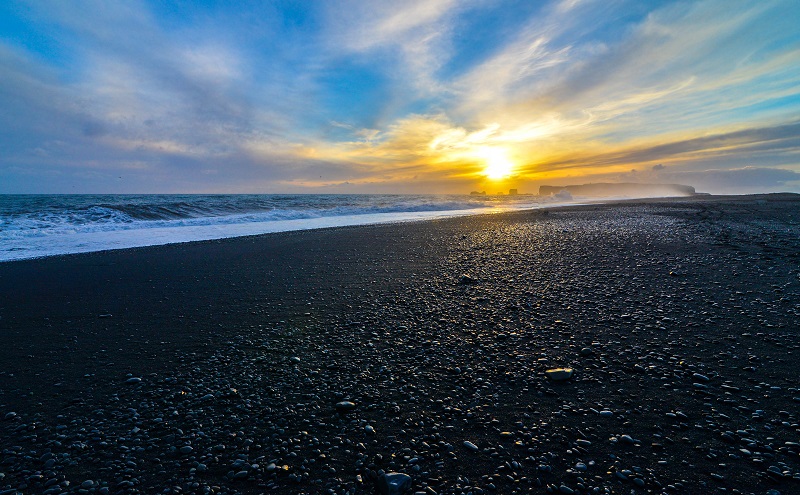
(745, 143)
(413, 35)
(385, 93)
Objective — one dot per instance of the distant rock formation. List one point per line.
(625, 189)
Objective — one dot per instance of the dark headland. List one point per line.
(314, 362)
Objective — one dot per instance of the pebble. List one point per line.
(559, 374)
(433, 363)
(467, 279)
(471, 446)
(133, 380)
(345, 406)
(394, 483)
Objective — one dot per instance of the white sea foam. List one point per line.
(38, 226)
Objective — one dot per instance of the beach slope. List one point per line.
(317, 361)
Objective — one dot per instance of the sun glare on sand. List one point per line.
(498, 165)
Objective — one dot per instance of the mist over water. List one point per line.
(618, 190)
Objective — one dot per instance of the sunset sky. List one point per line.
(439, 96)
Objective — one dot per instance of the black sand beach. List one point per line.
(216, 367)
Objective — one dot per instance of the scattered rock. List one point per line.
(471, 446)
(433, 363)
(394, 483)
(345, 406)
(559, 374)
(467, 279)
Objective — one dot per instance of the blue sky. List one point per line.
(386, 96)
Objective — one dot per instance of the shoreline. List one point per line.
(88, 223)
(101, 241)
(679, 303)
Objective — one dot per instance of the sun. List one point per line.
(498, 165)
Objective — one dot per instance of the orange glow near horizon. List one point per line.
(400, 97)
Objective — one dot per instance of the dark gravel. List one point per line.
(314, 362)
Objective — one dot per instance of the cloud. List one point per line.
(414, 35)
(382, 23)
(673, 70)
(430, 145)
(138, 93)
(380, 94)
(751, 142)
(768, 146)
(521, 68)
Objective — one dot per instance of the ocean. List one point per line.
(33, 226)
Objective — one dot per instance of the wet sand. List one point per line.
(216, 367)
